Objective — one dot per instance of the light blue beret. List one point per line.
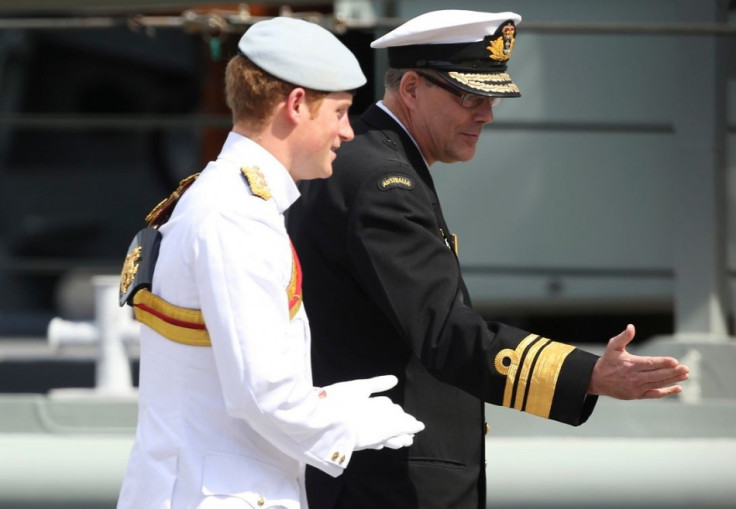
(302, 53)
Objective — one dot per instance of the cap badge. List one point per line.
(256, 182)
(501, 47)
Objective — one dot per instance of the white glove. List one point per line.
(400, 441)
(378, 422)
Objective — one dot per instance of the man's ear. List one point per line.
(408, 87)
(296, 104)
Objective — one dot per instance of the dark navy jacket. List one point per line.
(384, 295)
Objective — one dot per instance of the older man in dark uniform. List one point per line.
(385, 292)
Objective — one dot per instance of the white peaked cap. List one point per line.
(469, 49)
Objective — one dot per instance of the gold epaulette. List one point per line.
(256, 182)
(161, 212)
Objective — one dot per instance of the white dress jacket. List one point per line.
(231, 425)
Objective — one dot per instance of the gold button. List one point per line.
(261, 501)
(342, 460)
(487, 428)
(335, 455)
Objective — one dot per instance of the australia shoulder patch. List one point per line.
(256, 181)
(395, 180)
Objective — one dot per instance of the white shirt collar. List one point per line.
(243, 151)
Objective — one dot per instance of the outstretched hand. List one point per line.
(621, 375)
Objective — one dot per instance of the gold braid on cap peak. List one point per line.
(161, 212)
(497, 82)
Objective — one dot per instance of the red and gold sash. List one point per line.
(185, 325)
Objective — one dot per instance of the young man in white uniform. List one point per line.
(228, 415)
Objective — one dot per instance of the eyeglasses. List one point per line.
(467, 99)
